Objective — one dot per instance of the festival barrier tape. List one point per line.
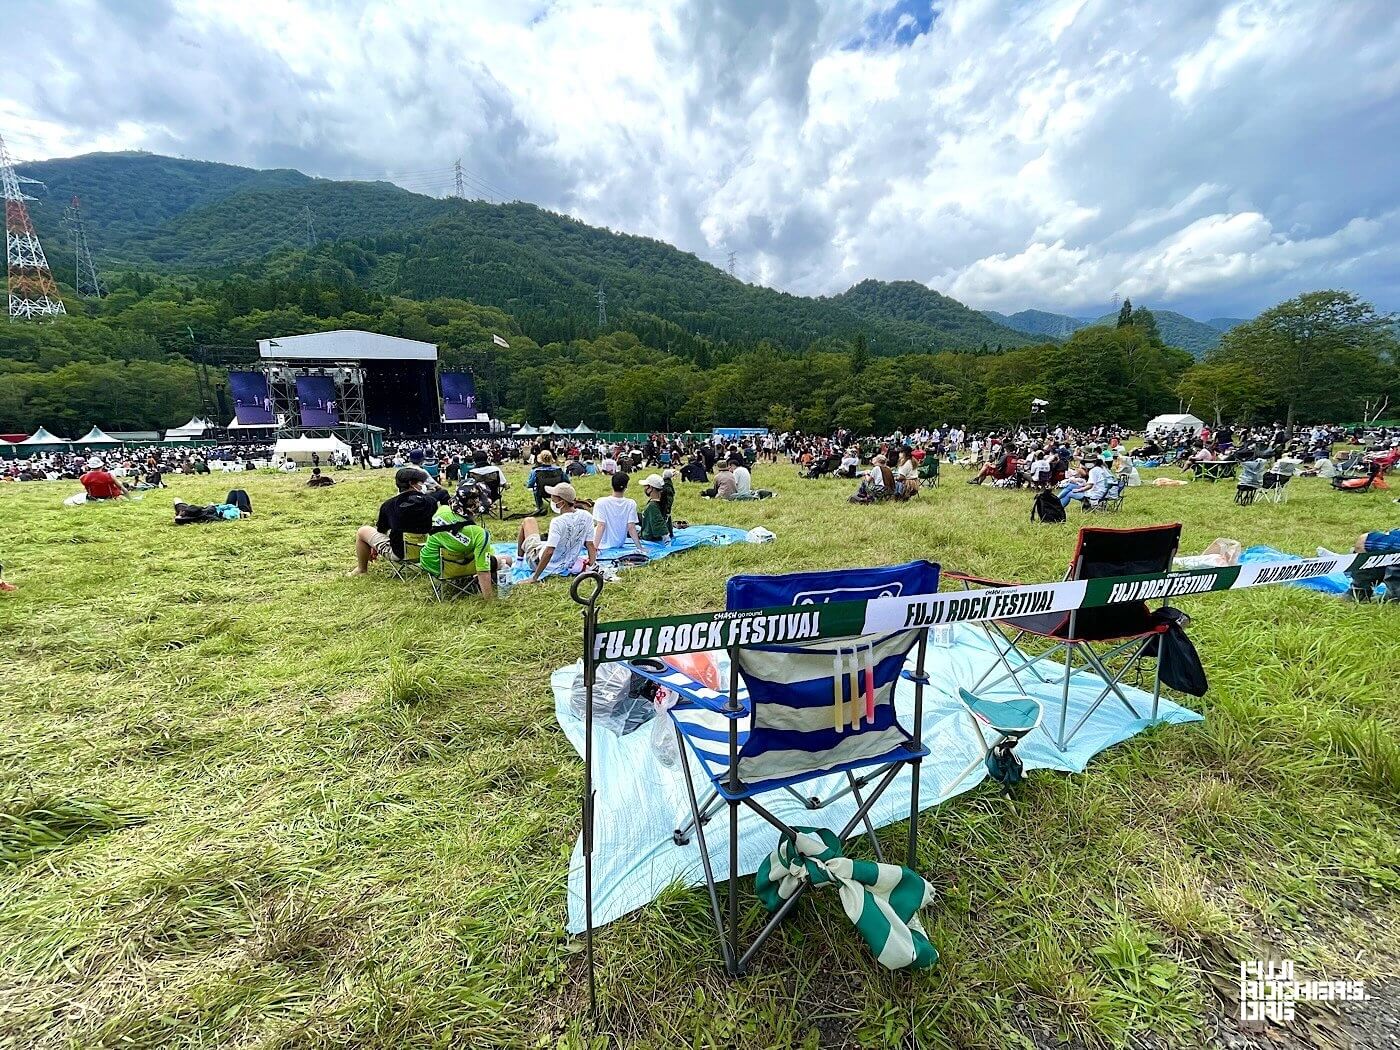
(700, 632)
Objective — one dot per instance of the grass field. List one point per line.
(250, 802)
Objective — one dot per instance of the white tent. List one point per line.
(193, 429)
(528, 431)
(43, 437)
(1176, 421)
(299, 449)
(96, 437)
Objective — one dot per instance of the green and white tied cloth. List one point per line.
(883, 900)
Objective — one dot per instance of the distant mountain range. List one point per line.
(1198, 337)
(150, 212)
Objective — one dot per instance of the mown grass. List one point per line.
(250, 802)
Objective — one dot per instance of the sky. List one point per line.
(1198, 155)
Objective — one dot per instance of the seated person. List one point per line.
(99, 484)
(615, 517)
(877, 484)
(544, 474)
(410, 511)
(850, 464)
(609, 464)
(743, 480)
(724, 486)
(1363, 581)
(318, 480)
(575, 468)
(1003, 467)
(488, 474)
(456, 532)
(570, 534)
(1040, 471)
(656, 518)
(695, 470)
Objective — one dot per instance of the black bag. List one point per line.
(1047, 509)
(240, 499)
(1180, 664)
(1004, 766)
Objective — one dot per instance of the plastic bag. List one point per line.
(1219, 554)
(621, 701)
(663, 734)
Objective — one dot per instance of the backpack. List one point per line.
(1047, 509)
(1004, 766)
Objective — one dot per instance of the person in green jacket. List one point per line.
(656, 523)
(467, 540)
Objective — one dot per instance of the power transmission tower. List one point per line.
(85, 279)
(733, 260)
(602, 307)
(310, 227)
(1116, 300)
(32, 291)
(461, 183)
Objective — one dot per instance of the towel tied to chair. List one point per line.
(883, 900)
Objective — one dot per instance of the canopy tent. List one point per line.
(300, 449)
(582, 428)
(528, 431)
(554, 428)
(193, 429)
(43, 437)
(96, 437)
(1176, 421)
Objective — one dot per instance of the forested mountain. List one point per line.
(1040, 322)
(1199, 337)
(1178, 330)
(181, 216)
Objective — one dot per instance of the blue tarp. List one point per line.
(641, 801)
(1337, 583)
(684, 540)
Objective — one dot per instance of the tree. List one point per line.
(1125, 314)
(1224, 389)
(860, 355)
(1145, 323)
(1318, 354)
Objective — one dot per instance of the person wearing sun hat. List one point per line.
(98, 483)
(570, 534)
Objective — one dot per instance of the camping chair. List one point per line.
(1355, 483)
(1112, 499)
(408, 568)
(929, 470)
(489, 483)
(457, 576)
(1273, 489)
(823, 467)
(1126, 631)
(792, 713)
(1006, 720)
(545, 476)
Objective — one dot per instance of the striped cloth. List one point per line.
(883, 900)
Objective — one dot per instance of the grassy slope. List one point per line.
(348, 811)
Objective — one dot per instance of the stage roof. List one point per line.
(345, 345)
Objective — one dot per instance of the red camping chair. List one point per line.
(1126, 630)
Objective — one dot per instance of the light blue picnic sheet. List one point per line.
(685, 539)
(641, 801)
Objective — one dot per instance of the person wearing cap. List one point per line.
(99, 484)
(615, 517)
(411, 510)
(656, 521)
(1101, 478)
(455, 531)
(570, 534)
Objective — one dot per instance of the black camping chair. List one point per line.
(545, 476)
(488, 482)
(1125, 630)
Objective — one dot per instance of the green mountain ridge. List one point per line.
(1176, 329)
(148, 212)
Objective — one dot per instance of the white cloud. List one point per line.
(1208, 156)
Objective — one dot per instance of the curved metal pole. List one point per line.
(590, 630)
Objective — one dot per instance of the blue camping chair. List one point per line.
(793, 713)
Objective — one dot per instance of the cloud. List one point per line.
(1200, 155)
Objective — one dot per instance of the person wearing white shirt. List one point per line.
(743, 480)
(615, 517)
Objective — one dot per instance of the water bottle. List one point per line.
(504, 583)
(943, 636)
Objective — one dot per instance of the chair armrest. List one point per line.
(963, 577)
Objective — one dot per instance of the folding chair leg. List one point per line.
(914, 812)
(869, 827)
(729, 962)
(738, 969)
(1060, 740)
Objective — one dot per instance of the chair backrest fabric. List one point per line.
(1120, 552)
(546, 476)
(413, 545)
